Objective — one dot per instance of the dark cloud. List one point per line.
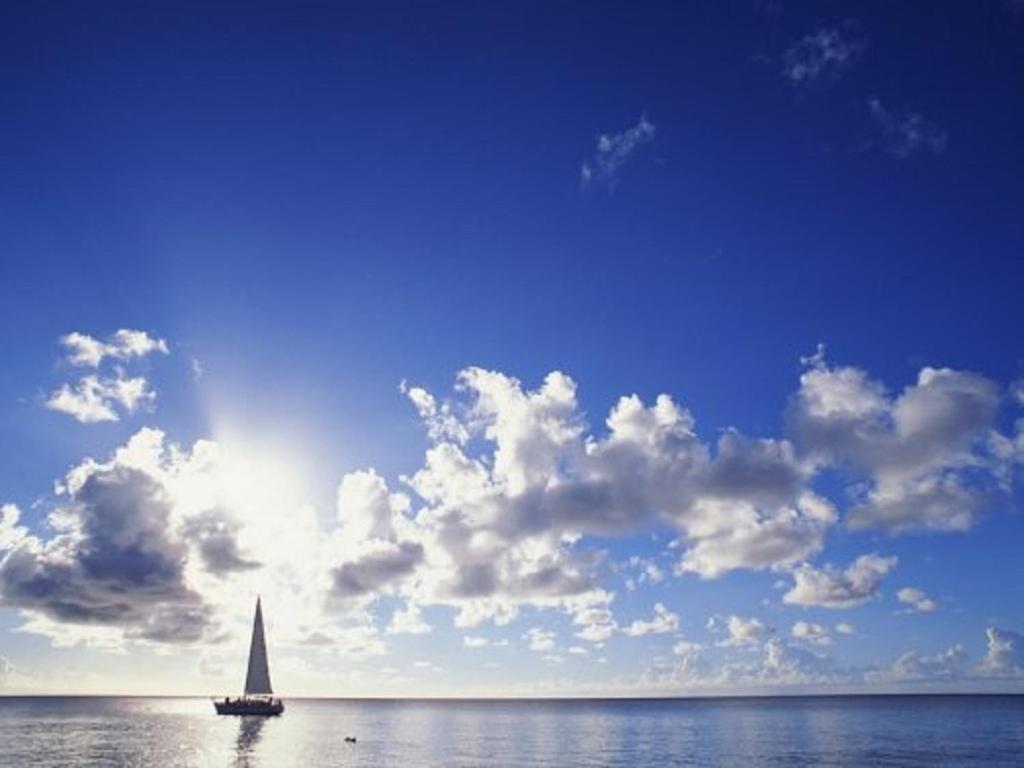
(215, 535)
(376, 569)
(115, 563)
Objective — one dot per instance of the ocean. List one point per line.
(794, 731)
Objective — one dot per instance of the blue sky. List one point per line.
(349, 239)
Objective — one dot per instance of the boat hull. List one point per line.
(246, 706)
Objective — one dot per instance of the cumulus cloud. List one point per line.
(94, 399)
(6, 670)
(408, 621)
(663, 621)
(540, 640)
(215, 533)
(811, 633)
(86, 351)
(375, 540)
(613, 150)
(831, 587)
(514, 481)
(1005, 655)
(11, 533)
(906, 133)
(917, 600)
(924, 453)
(152, 544)
(99, 397)
(114, 560)
(740, 632)
(914, 666)
(820, 56)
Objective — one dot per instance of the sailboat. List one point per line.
(258, 698)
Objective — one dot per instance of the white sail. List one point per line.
(257, 678)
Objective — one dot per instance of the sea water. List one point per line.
(795, 731)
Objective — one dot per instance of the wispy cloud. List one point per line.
(917, 600)
(906, 133)
(820, 56)
(613, 151)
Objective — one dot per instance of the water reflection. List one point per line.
(250, 729)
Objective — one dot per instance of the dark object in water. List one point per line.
(249, 705)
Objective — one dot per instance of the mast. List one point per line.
(257, 678)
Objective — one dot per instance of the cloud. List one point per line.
(86, 351)
(215, 533)
(1005, 656)
(845, 628)
(820, 56)
(376, 542)
(906, 133)
(94, 399)
(686, 648)
(663, 621)
(830, 587)
(540, 640)
(918, 601)
(469, 641)
(164, 544)
(115, 559)
(913, 666)
(740, 631)
(408, 621)
(924, 453)
(514, 482)
(11, 533)
(613, 150)
(811, 633)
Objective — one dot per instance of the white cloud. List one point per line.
(613, 150)
(501, 526)
(662, 622)
(540, 640)
(470, 641)
(822, 55)
(408, 621)
(918, 601)
(810, 632)
(740, 631)
(914, 666)
(6, 670)
(845, 628)
(830, 587)
(86, 351)
(11, 533)
(1005, 655)
(906, 133)
(924, 453)
(94, 399)
(686, 648)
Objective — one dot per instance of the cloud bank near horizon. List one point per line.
(508, 512)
